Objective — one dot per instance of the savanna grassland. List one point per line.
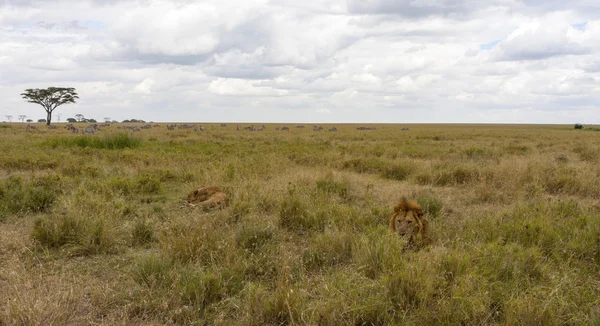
(92, 228)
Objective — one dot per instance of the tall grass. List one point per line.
(93, 229)
(35, 196)
(111, 141)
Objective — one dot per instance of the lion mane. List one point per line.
(409, 221)
(209, 197)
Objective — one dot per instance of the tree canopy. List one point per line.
(50, 98)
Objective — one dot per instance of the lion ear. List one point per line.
(196, 192)
(420, 212)
(399, 207)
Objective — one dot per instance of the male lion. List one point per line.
(209, 197)
(408, 221)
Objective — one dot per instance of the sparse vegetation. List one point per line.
(92, 230)
(111, 141)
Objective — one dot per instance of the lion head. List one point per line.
(408, 220)
(208, 197)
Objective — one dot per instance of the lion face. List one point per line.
(408, 220)
(408, 223)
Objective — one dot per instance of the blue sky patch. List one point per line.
(94, 24)
(580, 26)
(489, 46)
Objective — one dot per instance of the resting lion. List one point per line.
(408, 221)
(209, 197)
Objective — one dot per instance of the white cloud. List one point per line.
(372, 60)
(233, 86)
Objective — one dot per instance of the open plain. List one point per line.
(94, 230)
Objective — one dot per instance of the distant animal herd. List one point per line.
(93, 128)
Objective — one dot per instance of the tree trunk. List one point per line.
(49, 118)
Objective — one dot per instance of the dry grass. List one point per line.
(92, 230)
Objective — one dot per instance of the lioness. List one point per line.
(208, 197)
(408, 220)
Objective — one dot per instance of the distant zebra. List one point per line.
(285, 128)
(89, 130)
(238, 127)
(261, 128)
(202, 128)
(333, 129)
(223, 125)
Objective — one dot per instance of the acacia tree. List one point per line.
(22, 117)
(9, 118)
(50, 98)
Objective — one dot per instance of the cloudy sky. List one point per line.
(504, 61)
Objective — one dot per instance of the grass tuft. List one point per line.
(111, 141)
